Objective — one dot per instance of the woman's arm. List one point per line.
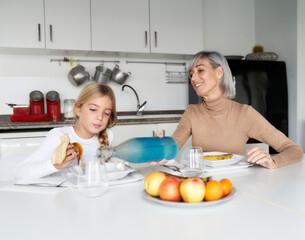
(260, 129)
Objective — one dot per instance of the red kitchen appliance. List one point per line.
(36, 103)
(53, 106)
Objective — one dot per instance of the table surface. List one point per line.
(269, 204)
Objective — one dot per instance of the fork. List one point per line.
(174, 168)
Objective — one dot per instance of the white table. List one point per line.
(269, 204)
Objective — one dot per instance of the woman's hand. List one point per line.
(70, 156)
(261, 157)
(163, 161)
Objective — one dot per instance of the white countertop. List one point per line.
(269, 204)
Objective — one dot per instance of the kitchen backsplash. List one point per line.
(21, 74)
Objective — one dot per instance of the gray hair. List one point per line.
(227, 83)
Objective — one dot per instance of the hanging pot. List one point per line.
(102, 74)
(78, 75)
(119, 76)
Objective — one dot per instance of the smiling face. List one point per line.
(206, 80)
(93, 116)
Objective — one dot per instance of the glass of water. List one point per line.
(191, 162)
(93, 180)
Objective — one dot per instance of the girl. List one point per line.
(96, 114)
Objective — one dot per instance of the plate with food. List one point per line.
(190, 205)
(217, 159)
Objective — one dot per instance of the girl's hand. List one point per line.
(70, 156)
(261, 157)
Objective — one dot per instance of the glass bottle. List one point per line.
(69, 108)
(142, 150)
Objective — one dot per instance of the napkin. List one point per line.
(50, 181)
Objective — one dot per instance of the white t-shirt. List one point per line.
(38, 164)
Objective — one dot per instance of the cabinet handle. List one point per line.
(39, 34)
(156, 39)
(153, 132)
(146, 39)
(51, 33)
(163, 131)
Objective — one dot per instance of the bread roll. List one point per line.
(59, 153)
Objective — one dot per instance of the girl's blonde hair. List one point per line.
(94, 90)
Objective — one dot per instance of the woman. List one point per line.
(220, 124)
(96, 114)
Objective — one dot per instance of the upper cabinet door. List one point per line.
(120, 25)
(176, 26)
(68, 24)
(22, 23)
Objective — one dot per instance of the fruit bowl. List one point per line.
(190, 205)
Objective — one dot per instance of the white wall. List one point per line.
(301, 73)
(276, 30)
(20, 74)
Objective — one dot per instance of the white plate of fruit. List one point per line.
(175, 191)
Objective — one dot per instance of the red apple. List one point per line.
(169, 189)
(192, 190)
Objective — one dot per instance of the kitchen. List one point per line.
(242, 23)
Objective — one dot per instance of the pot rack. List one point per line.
(81, 60)
(171, 76)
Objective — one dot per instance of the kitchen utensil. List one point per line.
(78, 75)
(69, 108)
(192, 164)
(36, 103)
(102, 74)
(20, 110)
(119, 76)
(53, 105)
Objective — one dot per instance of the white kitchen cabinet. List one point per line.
(68, 24)
(14, 147)
(176, 26)
(156, 26)
(124, 132)
(20, 143)
(51, 24)
(120, 25)
(22, 23)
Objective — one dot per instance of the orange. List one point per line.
(226, 186)
(213, 191)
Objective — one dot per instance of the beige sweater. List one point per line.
(224, 125)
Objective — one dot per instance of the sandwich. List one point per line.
(59, 153)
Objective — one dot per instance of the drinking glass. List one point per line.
(191, 162)
(93, 180)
